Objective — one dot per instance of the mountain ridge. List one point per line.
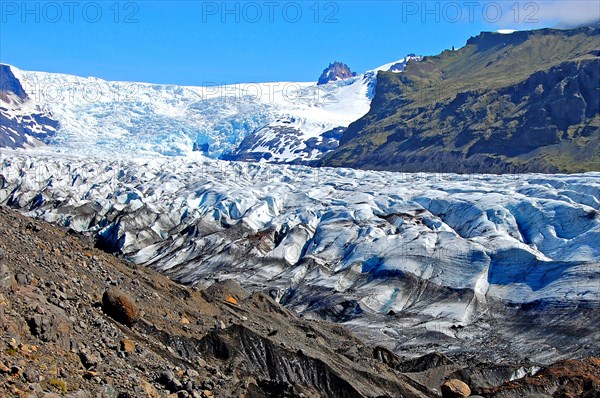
(468, 110)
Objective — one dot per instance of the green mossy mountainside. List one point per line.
(504, 103)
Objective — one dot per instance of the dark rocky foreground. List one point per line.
(75, 321)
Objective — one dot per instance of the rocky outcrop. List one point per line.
(335, 71)
(10, 84)
(564, 379)
(275, 143)
(6, 277)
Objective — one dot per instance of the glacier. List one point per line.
(414, 261)
(90, 115)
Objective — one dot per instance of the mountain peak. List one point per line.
(335, 71)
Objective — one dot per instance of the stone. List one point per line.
(120, 307)
(127, 345)
(191, 373)
(44, 327)
(23, 279)
(88, 360)
(148, 390)
(31, 376)
(189, 387)
(208, 384)
(90, 374)
(170, 382)
(455, 388)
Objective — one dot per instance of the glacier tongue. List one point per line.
(433, 250)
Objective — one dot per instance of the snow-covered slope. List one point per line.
(125, 117)
(437, 253)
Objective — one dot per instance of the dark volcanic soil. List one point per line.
(57, 338)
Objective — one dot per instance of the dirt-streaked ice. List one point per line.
(437, 250)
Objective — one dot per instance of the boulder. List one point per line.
(455, 388)
(120, 307)
(51, 327)
(170, 382)
(89, 360)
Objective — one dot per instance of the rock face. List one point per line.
(275, 143)
(501, 104)
(120, 307)
(335, 71)
(554, 381)
(455, 389)
(44, 327)
(10, 84)
(22, 123)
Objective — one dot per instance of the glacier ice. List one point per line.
(95, 115)
(435, 250)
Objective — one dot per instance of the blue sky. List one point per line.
(206, 42)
